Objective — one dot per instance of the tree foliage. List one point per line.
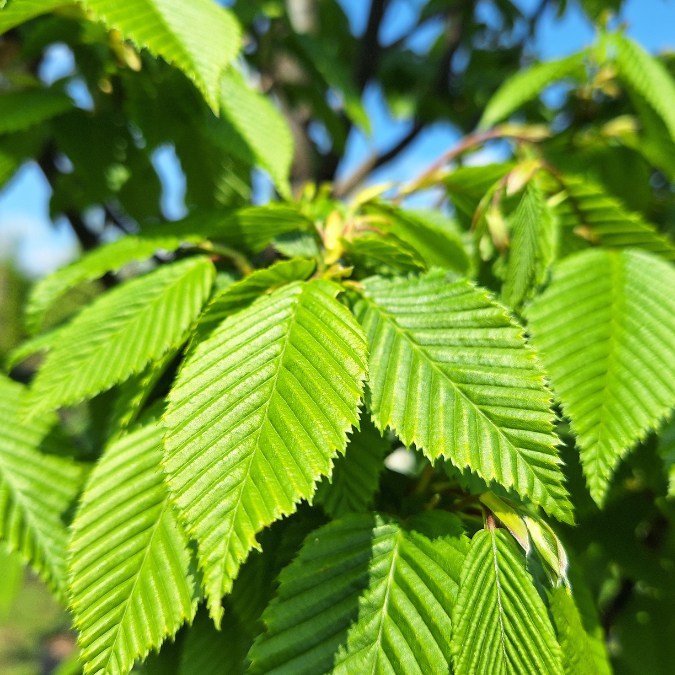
(303, 425)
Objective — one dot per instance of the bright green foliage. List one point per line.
(36, 489)
(199, 37)
(616, 383)
(110, 258)
(527, 85)
(290, 366)
(19, 11)
(645, 76)
(532, 247)
(242, 293)
(132, 584)
(451, 374)
(598, 218)
(583, 651)
(461, 350)
(438, 246)
(22, 109)
(501, 624)
(257, 120)
(383, 254)
(207, 651)
(355, 477)
(120, 333)
(366, 594)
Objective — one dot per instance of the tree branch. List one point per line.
(375, 161)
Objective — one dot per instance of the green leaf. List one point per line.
(604, 330)
(20, 11)
(242, 293)
(122, 331)
(255, 418)
(366, 595)
(532, 249)
(583, 652)
(647, 77)
(132, 584)
(199, 37)
(207, 651)
(262, 126)
(383, 254)
(356, 475)
(20, 110)
(500, 623)
(591, 216)
(36, 489)
(450, 373)
(437, 245)
(10, 580)
(109, 258)
(527, 84)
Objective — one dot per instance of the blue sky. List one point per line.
(38, 246)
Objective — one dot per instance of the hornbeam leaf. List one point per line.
(532, 247)
(261, 125)
(255, 418)
(199, 37)
(132, 583)
(591, 216)
(36, 489)
(356, 475)
(243, 292)
(122, 331)
(366, 595)
(604, 329)
(527, 84)
(647, 77)
(583, 650)
(450, 373)
(111, 257)
(500, 623)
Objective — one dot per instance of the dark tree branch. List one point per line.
(375, 161)
(453, 34)
(370, 50)
(370, 47)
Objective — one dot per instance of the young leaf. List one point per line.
(20, 110)
(596, 217)
(500, 623)
(647, 77)
(261, 125)
(355, 477)
(255, 418)
(450, 373)
(383, 254)
(666, 448)
(132, 584)
(121, 332)
(604, 330)
(366, 595)
(199, 37)
(109, 258)
(438, 246)
(532, 247)
(243, 292)
(583, 652)
(36, 489)
(527, 84)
